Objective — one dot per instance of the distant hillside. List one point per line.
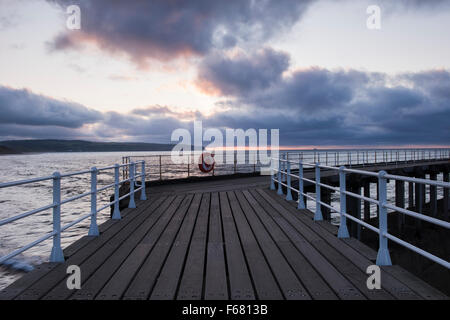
(21, 146)
(6, 150)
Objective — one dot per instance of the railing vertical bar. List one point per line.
(318, 213)
(57, 253)
(93, 228)
(116, 212)
(383, 257)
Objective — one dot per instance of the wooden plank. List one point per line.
(312, 280)
(216, 287)
(58, 274)
(79, 244)
(426, 291)
(419, 286)
(359, 246)
(191, 283)
(241, 287)
(142, 285)
(306, 241)
(288, 281)
(117, 285)
(265, 284)
(167, 283)
(108, 267)
(390, 284)
(30, 278)
(95, 261)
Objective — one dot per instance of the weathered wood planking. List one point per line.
(231, 241)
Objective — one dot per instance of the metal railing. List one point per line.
(56, 252)
(162, 167)
(283, 173)
(363, 157)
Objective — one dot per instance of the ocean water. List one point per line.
(19, 199)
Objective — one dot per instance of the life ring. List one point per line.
(206, 162)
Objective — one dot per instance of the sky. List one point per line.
(137, 70)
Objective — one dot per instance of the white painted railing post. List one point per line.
(318, 213)
(383, 257)
(57, 253)
(116, 212)
(272, 184)
(131, 203)
(93, 228)
(343, 231)
(143, 195)
(301, 200)
(288, 178)
(280, 190)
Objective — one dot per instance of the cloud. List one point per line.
(242, 73)
(165, 30)
(321, 106)
(310, 107)
(21, 106)
(157, 110)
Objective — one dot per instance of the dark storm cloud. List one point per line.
(243, 73)
(256, 79)
(334, 106)
(168, 29)
(26, 108)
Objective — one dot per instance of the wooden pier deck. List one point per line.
(232, 239)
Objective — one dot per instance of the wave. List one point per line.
(17, 265)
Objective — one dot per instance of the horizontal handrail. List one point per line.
(281, 170)
(336, 157)
(57, 254)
